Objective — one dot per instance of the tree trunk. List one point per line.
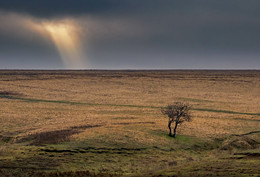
(170, 128)
(174, 130)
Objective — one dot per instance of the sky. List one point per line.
(130, 34)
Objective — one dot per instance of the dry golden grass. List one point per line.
(236, 91)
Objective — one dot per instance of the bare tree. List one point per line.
(178, 112)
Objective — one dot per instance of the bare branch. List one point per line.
(178, 112)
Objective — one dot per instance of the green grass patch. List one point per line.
(184, 142)
(183, 138)
(180, 138)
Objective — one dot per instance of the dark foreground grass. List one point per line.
(180, 156)
(31, 172)
(8, 96)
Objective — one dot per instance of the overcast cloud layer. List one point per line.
(132, 34)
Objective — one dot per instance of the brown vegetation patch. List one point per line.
(56, 136)
(53, 137)
(249, 154)
(85, 126)
(80, 173)
(124, 118)
(239, 143)
(95, 150)
(5, 139)
(9, 93)
(172, 163)
(245, 155)
(133, 123)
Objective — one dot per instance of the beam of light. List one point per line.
(65, 36)
(65, 33)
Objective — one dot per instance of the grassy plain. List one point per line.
(109, 123)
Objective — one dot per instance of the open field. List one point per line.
(109, 123)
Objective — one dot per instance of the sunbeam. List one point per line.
(65, 36)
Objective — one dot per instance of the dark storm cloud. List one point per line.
(48, 8)
(147, 33)
(54, 8)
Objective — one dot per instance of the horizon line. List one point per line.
(124, 69)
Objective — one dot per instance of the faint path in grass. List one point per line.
(225, 111)
(249, 133)
(119, 105)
